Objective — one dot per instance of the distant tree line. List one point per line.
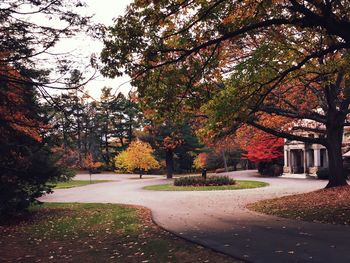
(102, 128)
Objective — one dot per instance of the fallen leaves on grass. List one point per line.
(326, 206)
(95, 233)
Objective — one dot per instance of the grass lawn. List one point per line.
(240, 184)
(76, 183)
(87, 233)
(326, 206)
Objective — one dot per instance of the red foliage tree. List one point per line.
(267, 149)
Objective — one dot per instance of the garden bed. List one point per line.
(239, 184)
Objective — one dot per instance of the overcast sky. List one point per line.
(104, 11)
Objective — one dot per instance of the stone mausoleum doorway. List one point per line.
(297, 161)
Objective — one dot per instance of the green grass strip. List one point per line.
(76, 183)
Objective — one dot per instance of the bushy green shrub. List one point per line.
(200, 181)
(323, 174)
(35, 176)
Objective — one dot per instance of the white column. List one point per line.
(317, 157)
(289, 159)
(285, 158)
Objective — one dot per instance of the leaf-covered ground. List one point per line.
(240, 184)
(326, 206)
(95, 233)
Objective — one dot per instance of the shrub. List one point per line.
(34, 177)
(270, 169)
(323, 174)
(200, 181)
(276, 170)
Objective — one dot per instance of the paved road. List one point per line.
(219, 219)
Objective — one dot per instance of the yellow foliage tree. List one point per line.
(120, 161)
(138, 157)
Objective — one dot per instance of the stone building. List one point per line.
(302, 159)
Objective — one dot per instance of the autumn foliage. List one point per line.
(67, 157)
(267, 149)
(246, 59)
(26, 160)
(263, 149)
(200, 161)
(137, 157)
(90, 164)
(259, 146)
(16, 109)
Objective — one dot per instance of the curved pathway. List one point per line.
(219, 219)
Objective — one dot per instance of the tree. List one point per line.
(72, 115)
(259, 146)
(117, 117)
(102, 127)
(223, 152)
(90, 164)
(267, 149)
(30, 29)
(67, 157)
(284, 58)
(137, 157)
(200, 161)
(263, 149)
(174, 141)
(26, 161)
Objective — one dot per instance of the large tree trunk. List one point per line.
(169, 162)
(335, 132)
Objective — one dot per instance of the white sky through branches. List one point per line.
(82, 46)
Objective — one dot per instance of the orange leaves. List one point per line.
(148, 112)
(242, 11)
(90, 164)
(200, 161)
(171, 142)
(31, 132)
(16, 102)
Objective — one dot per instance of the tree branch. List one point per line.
(295, 115)
(287, 135)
